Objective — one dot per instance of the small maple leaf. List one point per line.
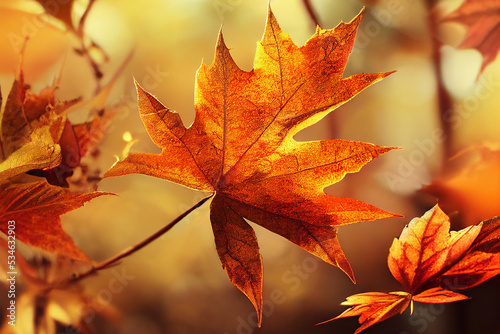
(241, 147)
(482, 17)
(35, 208)
(429, 261)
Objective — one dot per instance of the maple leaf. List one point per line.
(35, 207)
(470, 184)
(241, 147)
(429, 261)
(482, 17)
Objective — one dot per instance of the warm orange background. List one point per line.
(179, 285)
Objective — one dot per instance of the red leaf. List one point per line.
(481, 262)
(426, 258)
(438, 295)
(426, 248)
(35, 208)
(482, 18)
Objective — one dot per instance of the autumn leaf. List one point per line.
(35, 208)
(429, 261)
(481, 262)
(373, 307)
(41, 152)
(241, 147)
(470, 184)
(482, 18)
(37, 137)
(426, 249)
(44, 300)
(34, 131)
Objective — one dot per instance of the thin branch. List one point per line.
(112, 261)
(81, 23)
(444, 99)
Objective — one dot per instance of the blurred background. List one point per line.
(176, 284)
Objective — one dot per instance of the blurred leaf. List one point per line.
(471, 184)
(45, 302)
(60, 10)
(482, 18)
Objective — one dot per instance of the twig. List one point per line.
(81, 23)
(112, 261)
(311, 12)
(444, 99)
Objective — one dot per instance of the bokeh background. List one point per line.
(176, 284)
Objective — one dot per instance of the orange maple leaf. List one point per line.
(241, 147)
(482, 17)
(429, 261)
(35, 208)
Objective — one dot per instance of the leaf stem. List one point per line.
(113, 260)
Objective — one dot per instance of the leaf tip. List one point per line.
(221, 45)
(388, 73)
(357, 19)
(271, 22)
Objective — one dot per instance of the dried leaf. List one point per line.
(35, 135)
(25, 111)
(482, 18)
(481, 262)
(241, 146)
(426, 249)
(429, 261)
(438, 295)
(36, 207)
(35, 126)
(40, 152)
(373, 307)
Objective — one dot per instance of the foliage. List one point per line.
(242, 149)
